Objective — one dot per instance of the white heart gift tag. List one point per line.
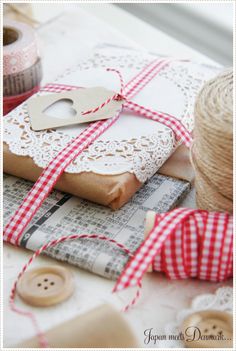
(64, 109)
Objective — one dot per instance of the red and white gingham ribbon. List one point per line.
(39, 192)
(184, 243)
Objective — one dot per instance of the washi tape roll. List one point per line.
(21, 82)
(11, 102)
(19, 47)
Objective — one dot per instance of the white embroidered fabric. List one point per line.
(133, 144)
(222, 300)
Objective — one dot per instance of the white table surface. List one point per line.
(70, 32)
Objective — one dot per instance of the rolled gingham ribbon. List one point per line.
(184, 243)
(39, 192)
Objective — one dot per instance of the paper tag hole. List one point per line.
(61, 109)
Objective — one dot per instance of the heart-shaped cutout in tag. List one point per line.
(61, 109)
(66, 108)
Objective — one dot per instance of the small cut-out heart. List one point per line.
(64, 109)
(61, 109)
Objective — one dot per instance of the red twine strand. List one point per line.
(41, 337)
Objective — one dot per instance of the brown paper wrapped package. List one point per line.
(109, 190)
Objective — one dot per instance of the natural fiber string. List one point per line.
(212, 149)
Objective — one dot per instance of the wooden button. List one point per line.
(46, 286)
(208, 329)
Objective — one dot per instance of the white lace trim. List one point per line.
(142, 155)
(222, 300)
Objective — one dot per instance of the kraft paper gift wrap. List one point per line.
(134, 148)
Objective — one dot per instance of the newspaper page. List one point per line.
(63, 214)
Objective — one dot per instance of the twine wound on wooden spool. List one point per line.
(212, 149)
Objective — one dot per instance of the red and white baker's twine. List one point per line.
(116, 96)
(41, 337)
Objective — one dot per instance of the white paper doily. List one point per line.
(133, 144)
(222, 300)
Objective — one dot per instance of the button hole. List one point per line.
(52, 283)
(45, 288)
(39, 284)
(214, 327)
(46, 280)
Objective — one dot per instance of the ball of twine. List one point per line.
(212, 150)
